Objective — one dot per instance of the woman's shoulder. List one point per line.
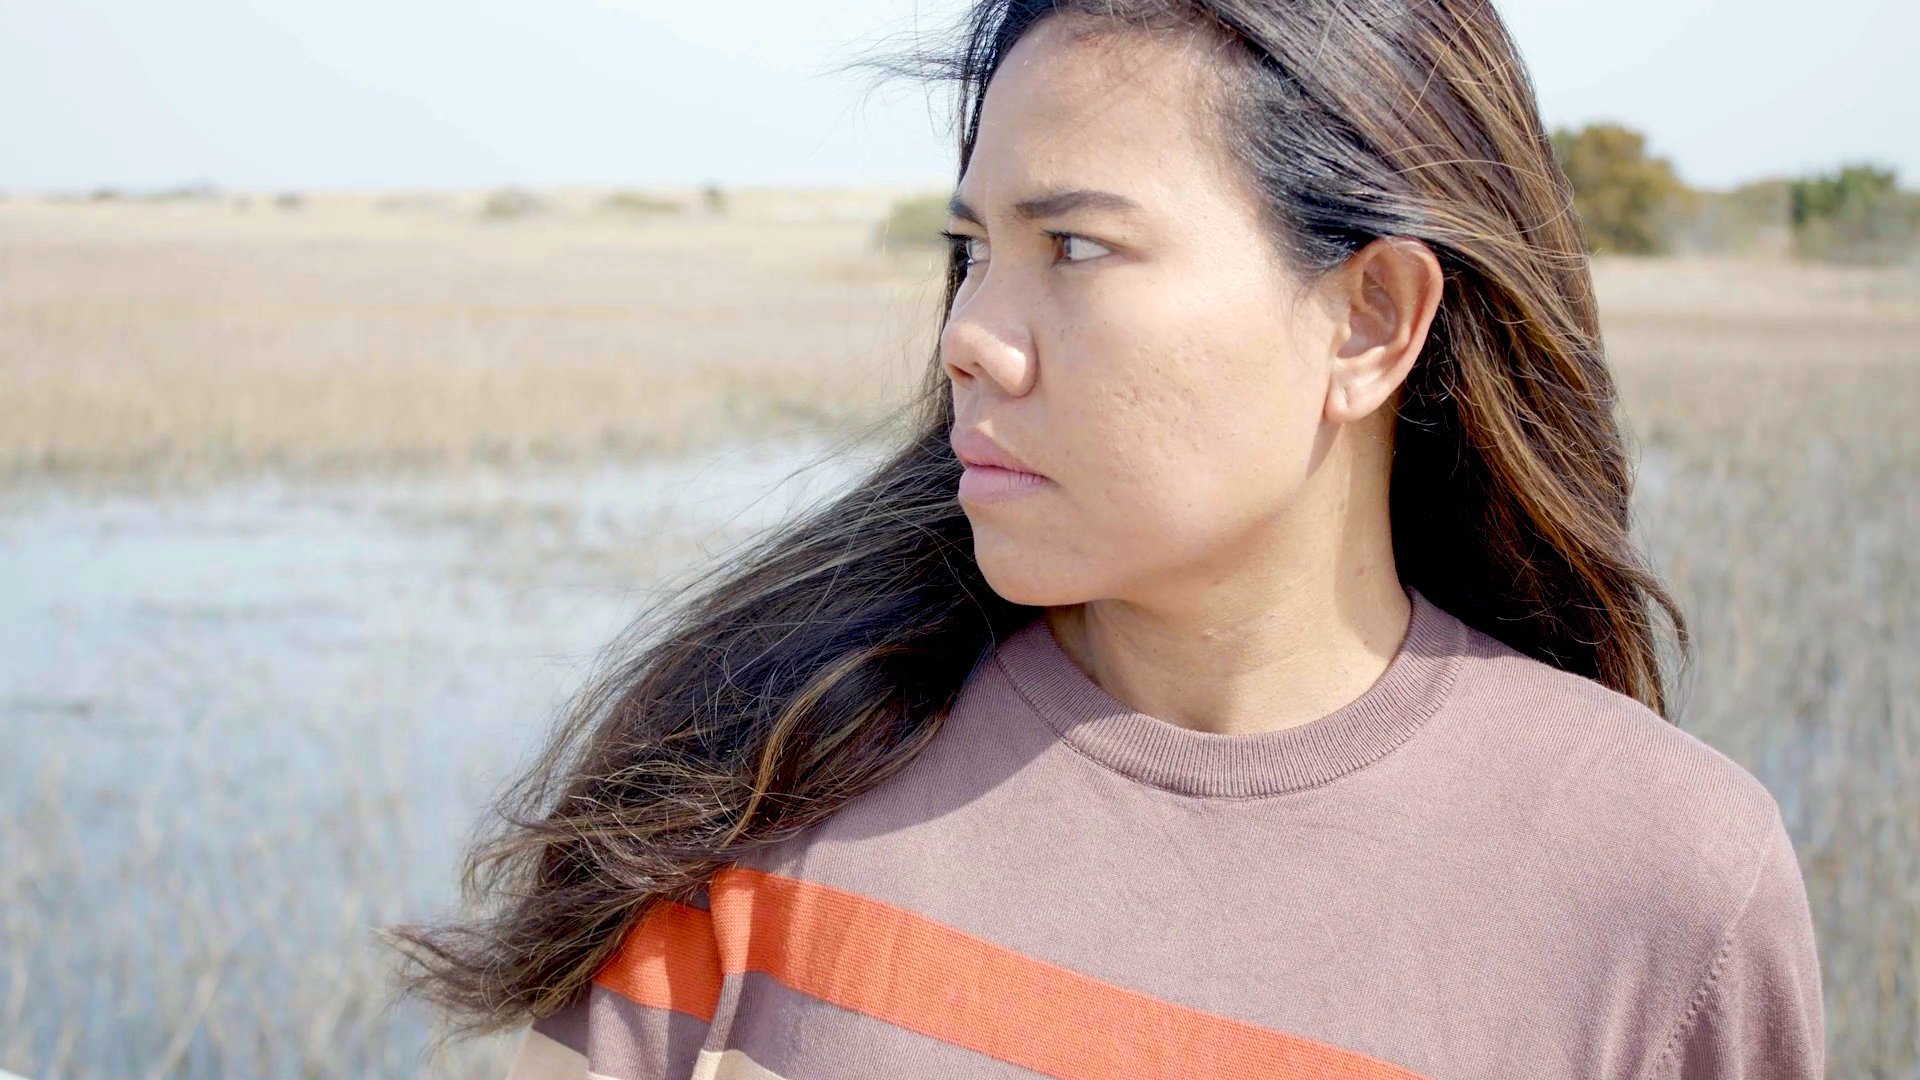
(1605, 770)
(1675, 851)
(1664, 849)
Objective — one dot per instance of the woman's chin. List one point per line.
(1028, 575)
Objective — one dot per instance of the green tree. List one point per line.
(1852, 189)
(1858, 214)
(1623, 197)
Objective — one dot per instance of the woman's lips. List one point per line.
(990, 483)
(993, 473)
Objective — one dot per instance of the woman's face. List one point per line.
(1127, 338)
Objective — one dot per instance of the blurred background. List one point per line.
(365, 367)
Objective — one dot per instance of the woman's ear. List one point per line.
(1383, 301)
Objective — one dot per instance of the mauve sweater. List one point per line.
(1484, 867)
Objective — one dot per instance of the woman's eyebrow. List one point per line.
(1065, 202)
(1047, 206)
(960, 211)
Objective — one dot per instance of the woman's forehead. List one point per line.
(1062, 74)
(1124, 111)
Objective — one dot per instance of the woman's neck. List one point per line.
(1283, 668)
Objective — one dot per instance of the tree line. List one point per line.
(1631, 202)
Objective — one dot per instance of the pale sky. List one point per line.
(286, 94)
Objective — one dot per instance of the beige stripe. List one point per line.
(544, 1058)
(730, 1065)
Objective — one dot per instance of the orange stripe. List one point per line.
(905, 969)
(668, 961)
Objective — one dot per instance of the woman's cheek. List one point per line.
(1049, 556)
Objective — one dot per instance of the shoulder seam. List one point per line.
(1710, 978)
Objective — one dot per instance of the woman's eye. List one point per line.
(972, 250)
(1080, 249)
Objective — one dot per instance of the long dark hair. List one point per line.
(817, 663)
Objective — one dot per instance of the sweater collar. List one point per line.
(1187, 762)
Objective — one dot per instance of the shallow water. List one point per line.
(246, 725)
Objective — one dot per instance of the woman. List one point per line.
(1246, 669)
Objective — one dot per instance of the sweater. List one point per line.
(1482, 867)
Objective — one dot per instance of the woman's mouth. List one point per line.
(993, 473)
(990, 483)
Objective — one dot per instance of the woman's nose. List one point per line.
(981, 344)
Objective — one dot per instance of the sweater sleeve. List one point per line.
(603, 1036)
(1756, 1014)
(554, 1048)
(645, 1016)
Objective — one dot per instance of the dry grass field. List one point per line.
(486, 412)
(366, 331)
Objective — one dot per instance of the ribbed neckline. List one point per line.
(1165, 755)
